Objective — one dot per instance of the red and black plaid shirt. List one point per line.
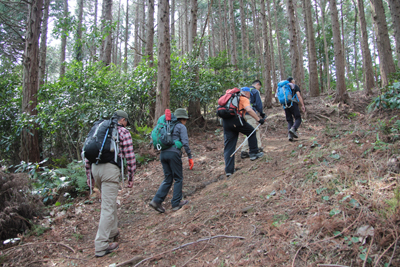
(126, 151)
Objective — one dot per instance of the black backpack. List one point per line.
(101, 145)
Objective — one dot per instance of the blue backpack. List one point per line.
(285, 94)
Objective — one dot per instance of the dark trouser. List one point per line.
(232, 128)
(172, 166)
(291, 112)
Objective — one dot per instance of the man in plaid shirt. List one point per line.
(107, 176)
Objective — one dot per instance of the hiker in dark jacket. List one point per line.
(171, 160)
(294, 111)
(234, 126)
(257, 105)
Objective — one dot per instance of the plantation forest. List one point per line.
(331, 198)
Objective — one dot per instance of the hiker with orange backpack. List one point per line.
(235, 124)
(171, 160)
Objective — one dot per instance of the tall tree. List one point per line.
(384, 48)
(395, 11)
(136, 58)
(328, 77)
(108, 39)
(312, 52)
(278, 39)
(232, 34)
(172, 20)
(293, 35)
(149, 49)
(30, 137)
(366, 53)
(78, 43)
(267, 58)
(126, 36)
(94, 46)
(64, 40)
(355, 45)
(341, 93)
(164, 61)
(43, 42)
(273, 71)
(243, 30)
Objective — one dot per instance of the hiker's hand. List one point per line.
(129, 184)
(88, 183)
(191, 164)
(303, 108)
(261, 121)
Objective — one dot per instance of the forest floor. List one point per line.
(329, 198)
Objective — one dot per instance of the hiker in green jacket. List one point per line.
(171, 160)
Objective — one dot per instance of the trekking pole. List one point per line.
(246, 139)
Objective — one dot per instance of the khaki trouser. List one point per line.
(254, 123)
(106, 176)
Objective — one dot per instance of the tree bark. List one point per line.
(149, 51)
(108, 40)
(115, 58)
(257, 49)
(63, 41)
(341, 93)
(328, 77)
(43, 43)
(294, 49)
(78, 43)
(172, 20)
(312, 53)
(30, 136)
(94, 47)
(278, 39)
(126, 37)
(355, 46)
(267, 58)
(272, 53)
(300, 81)
(136, 58)
(395, 12)
(243, 31)
(384, 48)
(164, 63)
(232, 35)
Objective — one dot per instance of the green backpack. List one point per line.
(162, 133)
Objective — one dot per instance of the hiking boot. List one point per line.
(157, 206)
(256, 155)
(114, 237)
(244, 155)
(183, 202)
(293, 132)
(228, 174)
(111, 247)
(290, 137)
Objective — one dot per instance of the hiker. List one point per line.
(171, 160)
(257, 105)
(293, 110)
(235, 125)
(106, 176)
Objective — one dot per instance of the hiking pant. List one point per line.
(291, 112)
(106, 176)
(172, 166)
(232, 128)
(254, 123)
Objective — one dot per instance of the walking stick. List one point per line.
(245, 139)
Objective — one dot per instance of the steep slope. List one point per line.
(327, 198)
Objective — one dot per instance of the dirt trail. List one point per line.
(275, 211)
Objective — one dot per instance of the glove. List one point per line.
(191, 164)
(262, 115)
(178, 144)
(261, 121)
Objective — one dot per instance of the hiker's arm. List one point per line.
(127, 153)
(251, 113)
(259, 104)
(303, 108)
(184, 139)
(88, 173)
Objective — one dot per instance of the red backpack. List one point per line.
(228, 104)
